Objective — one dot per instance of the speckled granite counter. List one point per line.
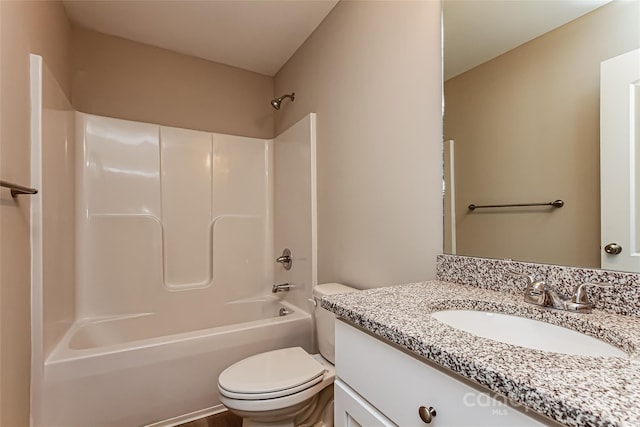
(574, 390)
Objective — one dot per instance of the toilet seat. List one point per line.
(271, 375)
(260, 407)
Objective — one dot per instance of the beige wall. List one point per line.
(119, 78)
(371, 71)
(26, 27)
(526, 129)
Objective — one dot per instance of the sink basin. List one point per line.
(527, 333)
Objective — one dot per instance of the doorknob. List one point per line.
(613, 249)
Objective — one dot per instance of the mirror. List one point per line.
(522, 124)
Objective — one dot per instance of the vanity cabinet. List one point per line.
(378, 384)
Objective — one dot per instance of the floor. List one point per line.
(223, 419)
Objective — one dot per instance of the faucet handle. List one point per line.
(536, 291)
(531, 277)
(580, 293)
(285, 259)
(535, 287)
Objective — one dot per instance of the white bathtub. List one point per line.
(159, 369)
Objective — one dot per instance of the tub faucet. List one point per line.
(283, 287)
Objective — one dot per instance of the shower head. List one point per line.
(275, 103)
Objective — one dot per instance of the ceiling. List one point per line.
(255, 35)
(261, 35)
(476, 31)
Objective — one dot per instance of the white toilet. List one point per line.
(287, 387)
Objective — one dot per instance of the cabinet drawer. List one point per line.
(398, 384)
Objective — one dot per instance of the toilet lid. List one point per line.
(270, 372)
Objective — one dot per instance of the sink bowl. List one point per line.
(527, 333)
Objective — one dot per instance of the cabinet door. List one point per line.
(351, 410)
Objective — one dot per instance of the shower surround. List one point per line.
(163, 211)
(175, 233)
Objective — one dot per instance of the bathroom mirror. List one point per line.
(521, 124)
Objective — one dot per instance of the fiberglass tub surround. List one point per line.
(165, 211)
(175, 261)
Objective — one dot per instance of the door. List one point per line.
(620, 162)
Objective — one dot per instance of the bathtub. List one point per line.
(160, 369)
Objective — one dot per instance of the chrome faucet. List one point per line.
(539, 293)
(285, 259)
(283, 287)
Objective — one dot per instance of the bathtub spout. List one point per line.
(283, 287)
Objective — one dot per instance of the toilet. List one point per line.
(287, 387)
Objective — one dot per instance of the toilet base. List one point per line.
(277, 418)
(316, 412)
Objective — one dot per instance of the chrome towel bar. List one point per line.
(17, 189)
(555, 204)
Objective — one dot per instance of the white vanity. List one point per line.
(398, 364)
(380, 385)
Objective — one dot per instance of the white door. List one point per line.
(620, 162)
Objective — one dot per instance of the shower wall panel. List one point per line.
(295, 221)
(58, 219)
(52, 222)
(169, 219)
(186, 206)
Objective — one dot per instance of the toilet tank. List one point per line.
(325, 319)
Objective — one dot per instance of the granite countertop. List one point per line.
(573, 390)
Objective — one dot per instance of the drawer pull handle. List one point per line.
(427, 414)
